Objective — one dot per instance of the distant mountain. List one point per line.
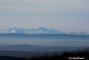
(78, 33)
(34, 48)
(30, 48)
(40, 30)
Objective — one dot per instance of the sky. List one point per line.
(65, 15)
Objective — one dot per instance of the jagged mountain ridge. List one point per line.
(41, 30)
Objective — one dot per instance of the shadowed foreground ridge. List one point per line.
(55, 56)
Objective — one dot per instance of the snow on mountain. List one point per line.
(40, 30)
(16, 30)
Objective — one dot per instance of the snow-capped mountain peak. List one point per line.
(41, 30)
(13, 31)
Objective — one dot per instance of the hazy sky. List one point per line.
(65, 15)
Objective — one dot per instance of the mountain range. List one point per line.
(40, 30)
(35, 48)
(32, 50)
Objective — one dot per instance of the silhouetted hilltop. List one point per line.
(83, 55)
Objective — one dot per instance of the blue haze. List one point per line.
(57, 40)
(62, 15)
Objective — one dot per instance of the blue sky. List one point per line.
(65, 15)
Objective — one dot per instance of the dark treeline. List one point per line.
(81, 55)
